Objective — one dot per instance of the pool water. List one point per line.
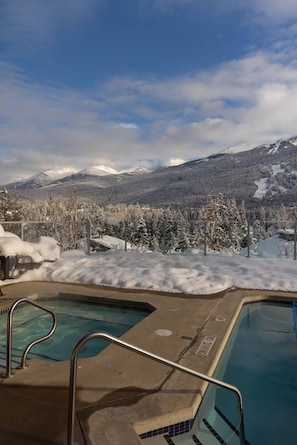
(74, 320)
(262, 363)
(260, 359)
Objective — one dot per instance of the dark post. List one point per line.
(4, 263)
(126, 236)
(248, 239)
(295, 227)
(88, 235)
(205, 242)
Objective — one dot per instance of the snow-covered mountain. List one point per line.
(135, 171)
(103, 170)
(53, 175)
(49, 177)
(44, 178)
(237, 148)
(266, 174)
(98, 170)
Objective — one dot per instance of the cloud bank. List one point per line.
(150, 120)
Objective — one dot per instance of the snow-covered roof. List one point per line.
(111, 242)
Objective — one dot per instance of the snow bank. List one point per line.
(46, 249)
(189, 273)
(12, 246)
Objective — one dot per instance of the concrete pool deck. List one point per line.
(121, 394)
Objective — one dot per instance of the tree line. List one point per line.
(220, 223)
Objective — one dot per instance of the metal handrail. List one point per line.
(73, 376)
(9, 372)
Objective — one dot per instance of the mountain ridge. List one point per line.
(265, 174)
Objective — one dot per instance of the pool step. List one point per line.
(17, 357)
(15, 360)
(215, 429)
(230, 424)
(214, 432)
(219, 430)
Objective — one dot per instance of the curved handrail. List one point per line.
(110, 338)
(9, 373)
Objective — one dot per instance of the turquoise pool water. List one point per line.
(260, 359)
(75, 319)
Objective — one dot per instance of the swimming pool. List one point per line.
(260, 359)
(75, 318)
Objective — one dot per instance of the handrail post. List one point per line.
(71, 400)
(9, 372)
(173, 365)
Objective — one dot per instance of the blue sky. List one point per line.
(142, 82)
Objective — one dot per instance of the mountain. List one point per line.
(42, 179)
(54, 177)
(99, 170)
(264, 175)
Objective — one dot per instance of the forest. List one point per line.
(218, 225)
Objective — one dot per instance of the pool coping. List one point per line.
(120, 406)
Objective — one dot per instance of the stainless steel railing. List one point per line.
(9, 372)
(110, 338)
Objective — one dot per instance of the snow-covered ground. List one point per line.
(270, 266)
(271, 183)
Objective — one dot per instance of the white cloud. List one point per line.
(276, 10)
(175, 161)
(252, 99)
(128, 126)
